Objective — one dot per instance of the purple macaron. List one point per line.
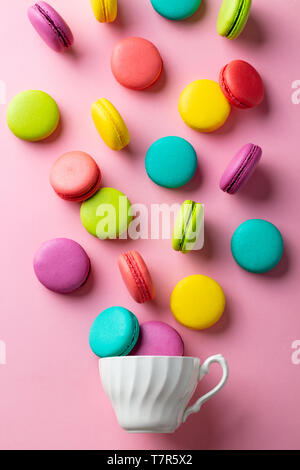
(240, 168)
(61, 265)
(158, 339)
(50, 26)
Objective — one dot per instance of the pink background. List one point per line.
(50, 393)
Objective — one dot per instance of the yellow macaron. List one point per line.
(105, 11)
(203, 107)
(110, 124)
(197, 302)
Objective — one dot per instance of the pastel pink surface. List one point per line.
(157, 338)
(136, 276)
(136, 63)
(75, 176)
(51, 397)
(50, 26)
(240, 168)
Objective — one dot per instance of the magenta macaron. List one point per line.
(51, 27)
(157, 338)
(240, 168)
(61, 265)
(136, 276)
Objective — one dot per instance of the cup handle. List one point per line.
(204, 369)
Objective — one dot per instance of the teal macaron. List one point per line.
(176, 9)
(171, 162)
(233, 16)
(257, 245)
(188, 225)
(114, 332)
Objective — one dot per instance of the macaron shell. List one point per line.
(136, 63)
(233, 17)
(197, 302)
(105, 11)
(241, 84)
(240, 168)
(61, 265)
(51, 27)
(110, 124)
(75, 176)
(171, 162)
(106, 224)
(136, 276)
(114, 332)
(176, 9)
(241, 20)
(32, 115)
(158, 339)
(203, 106)
(257, 246)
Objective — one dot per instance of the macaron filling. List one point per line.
(85, 195)
(134, 338)
(228, 92)
(238, 16)
(186, 223)
(54, 26)
(236, 179)
(118, 131)
(138, 277)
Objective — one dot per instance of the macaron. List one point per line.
(75, 176)
(257, 245)
(233, 16)
(32, 115)
(61, 265)
(171, 162)
(136, 63)
(197, 302)
(110, 125)
(203, 106)
(241, 84)
(51, 27)
(176, 9)
(188, 226)
(107, 214)
(105, 11)
(157, 338)
(240, 168)
(136, 276)
(114, 332)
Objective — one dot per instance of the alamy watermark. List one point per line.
(2, 353)
(295, 357)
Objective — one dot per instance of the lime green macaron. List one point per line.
(188, 226)
(32, 115)
(107, 214)
(233, 17)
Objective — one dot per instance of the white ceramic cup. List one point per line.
(150, 393)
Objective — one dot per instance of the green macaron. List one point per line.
(188, 225)
(233, 16)
(106, 214)
(32, 115)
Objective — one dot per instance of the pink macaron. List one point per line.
(75, 176)
(156, 338)
(136, 276)
(240, 168)
(136, 63)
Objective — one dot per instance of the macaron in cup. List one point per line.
(114, 332)
(241, 84)
(110, 124)
(136, 276)
(105, 11)
(61, 265)
(75, 176)
(240, 168)
(51, 27)
(136, 63)
(157, 338)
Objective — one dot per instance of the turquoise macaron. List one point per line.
(176, 9)
(114, 332)
(257, 245)
(171, 162)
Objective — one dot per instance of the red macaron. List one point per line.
(75, 176)
(241, 84)
(136, 276)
